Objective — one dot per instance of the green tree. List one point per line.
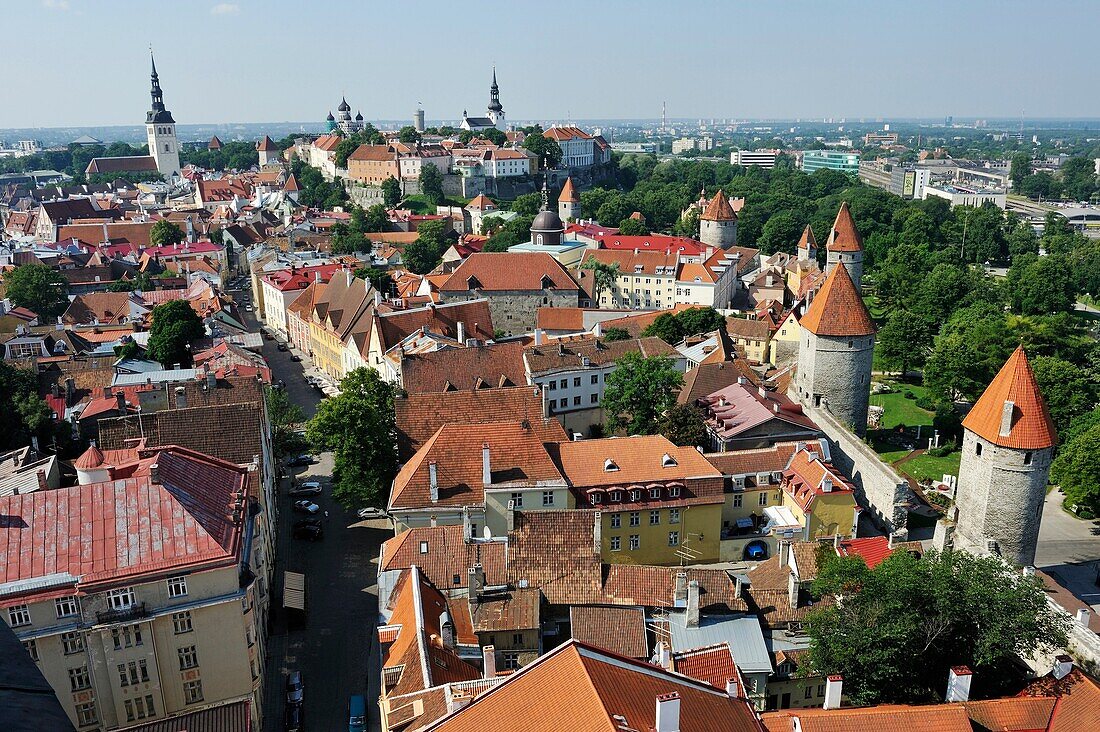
(675, 327)
(378, 277)
(494, 136)
(1021, 239)
(165, 233)
(1041, 285)
(1041, 185)
(1076, 470)
(969, 351)
(1019, 168)
(527, 204)
(1079, 178)
(616, 334)
(358, 426)
(1067, 388)
(548, 150)
(632, 227)
(684, 425)
(140, 281)
(638, 393)
(349, 243)
(603, 276)
(431, 183)
(903, 624)
(19, 398)
(409, 135)
(516, 231)
(286, 418)
(781, 233)
(39, 288)
(424, 254)
(344, 150)
(391, 191)
(904, 341)
(175, 325)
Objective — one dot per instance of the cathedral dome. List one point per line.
(359, 117)
(547, 221)
(344, 106)
(330, 118)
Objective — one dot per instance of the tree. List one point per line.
(391, 191)
(1041, 285)
(1066, 387)
(378, 277)
(425, 253)
(175, 325)
(780, 233)
(1076, 470)
(684, 425)
(375, 219)
(495, 136)
(1020, 168)
(603, 276)
(639, 391)
(904, 341)
(675, 327)
(431, 183)
(1079, 178)
(547, 149)
(285, 417)
(165, 233)
(39, 288)
(140, 281)
(903, 624)
(616, 334)
(516, 231)
(1041, 185)
(349, 243)
(409, 135)
(632, 227)
(969, 351)
(358, 426)
(527, 204)
(19, 398)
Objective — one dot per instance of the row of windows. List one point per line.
(547, 499)
(738, 499)
(636, 541)
(552, 385)
(139, 708)
(635, 495)
(654, 518)
(564, 403)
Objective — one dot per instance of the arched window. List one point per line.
(538, 239)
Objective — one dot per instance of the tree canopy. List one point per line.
(175, 325)
(39, 288)
(165, 233)
(431, 183)
(638, 393)
(675, 327)
(426, 252)
(683, 425)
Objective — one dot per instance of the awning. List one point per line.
(294, 591)
(744, 523)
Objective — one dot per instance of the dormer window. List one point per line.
(609, 466)
(635, 495)
(423, 547)
(596, 498)
(674, 491)
(473, 283)
(667, 461)
(654, 492)
(616, 496)
(546, 283)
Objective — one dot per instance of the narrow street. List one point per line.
(336, 645)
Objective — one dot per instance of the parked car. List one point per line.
(357, 713)
(295, 689)
(249, 308)
(295, 357)
(299, 461)
(306, 507)
(302, 490)
(282, 346)
(371, 513)
(293, 719)
(308, 530)
(268, 336)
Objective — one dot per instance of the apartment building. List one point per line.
(756, 158)
(283, 287)
(161, 609)
(663, 279)
(841, 160)
(343, 308)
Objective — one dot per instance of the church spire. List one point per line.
(157, 113)
(494, 94)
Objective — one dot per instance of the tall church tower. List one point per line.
(845, 246)
(496, 111)
(718, 223)
(569, 203)
(160, 130)
(835, 350)
(1008, 441)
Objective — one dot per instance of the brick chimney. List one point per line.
(958, 684)
(488, 662)
(475, 581)
(433, 481)
(691, 618)
(680, 590)
(668, 713)
(834, 686)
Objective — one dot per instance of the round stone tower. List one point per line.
(1008, 441)
(845, 246)
(837, 344)
(718, 224)
(569, 203)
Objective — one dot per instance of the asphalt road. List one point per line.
(336, 648)
(1070, 549)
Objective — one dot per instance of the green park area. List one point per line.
(906, 427)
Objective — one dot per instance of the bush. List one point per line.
(943, 450)
(908, 394)
(926, 402)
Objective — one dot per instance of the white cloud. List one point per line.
(221, 9)
(56, 4)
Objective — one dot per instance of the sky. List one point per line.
(86, 62)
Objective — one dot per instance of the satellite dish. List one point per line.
(487, 533)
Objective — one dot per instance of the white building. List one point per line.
(506, 163)
(648, 279)
(494, 115)
(960, 195)
(160, 130)
(758, 158)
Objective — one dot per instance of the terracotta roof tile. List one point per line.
(650, 586)
(838, 309)
(874, 549)
(844, 236)
(515, 609)
(719, 209)
(747, 462)
(1078, 705)
(807, 239)
(618, 629)
(711, 664)
(443, 320)
(509, 271)
(1017, 714)
(568, 192)
(556, 552)
(707, 378)
(559, 354)
(458, 369)
(885, 718)
(442, 555)
(1031, 427)
(637, 459)
(267, 145)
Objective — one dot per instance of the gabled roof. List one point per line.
(442, 555)
(1078, 696)
(844, 236)
(838, 309)
(719, 209)
(509, 271)
(747, 462)
(1030, 426)
(713, 664)
(441, 319)
(491, 366)
(557, 552)
(740, 408)
(637, 459)
(618, 629)
(884, 718)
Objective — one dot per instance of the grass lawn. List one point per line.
(878, 311)
(932, 468)
(883, 443)
(900, 410)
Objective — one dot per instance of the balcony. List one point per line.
(122, 615)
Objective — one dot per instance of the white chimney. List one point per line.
(792, 589)
(680, 590)
(475, 581)
(538, 336)
(692, 615)
(510, 516)
(784, 553)
(1007, 411)
(461, 333)
(958, 684)
(731, 688)
(433, 481)
(890, 540)
(467, 527)
(664, 655)
(597, 532)
(668, 713)
(486, 472)
(1063, 664)
(833, 687)
(489, 662)
(1083, 616)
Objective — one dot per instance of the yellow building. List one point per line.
(344, 303)
(783, 347)
(821, 498)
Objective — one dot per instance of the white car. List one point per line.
(371, 513)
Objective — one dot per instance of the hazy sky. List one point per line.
(85, 62)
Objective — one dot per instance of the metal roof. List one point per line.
(742, 632)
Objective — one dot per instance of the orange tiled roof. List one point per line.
(838, 310)
(719, 209)
(808, 239)
(885, 718)
(568, 192)
(713, 664)
(447, 555)
(636, 459)
(844, 236)
(1022, 714)
(1031, 427)
(556, 552)
(1078, 705)
(618, 629)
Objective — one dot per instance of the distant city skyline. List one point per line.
(87, 64)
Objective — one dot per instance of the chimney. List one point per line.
(467, 527)
(668, 713)
(433, 481)
(680, 590)
(834, 685)
(692, 615)
(70, 389)
(154, 473)
(738, 586)
(1007, 411)
(433, 521)
(792, 590)
(1063, 664)
(475, 581)
(890, 540)
(836, 542)
(510, 516)
(181, 397)
(461, 333)
(486, 472)
(784, 553)
(958, 684)
(55, 390)
(211, 379)
(107, 392)
(447, 630)
(597, 532)
(827, 485)
(41, 475)
(731, 688)
(121, 402)
(488, 662)
(664, 655)
(1083, 616)
(538, 336)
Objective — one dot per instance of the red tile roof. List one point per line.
(844, 236)
(711, 664)
(719, 209)
(808, 239)
(295, 278)
(1030, 427)
(566, 132)
(267, 145)
(618, 629)
(568, 192)
(636, 459)
(509, 271)
(838, 309)
(1078, 696)
(445, 556)
(885, 718)
(650, 586)
(747, 462)
(490, 366)
(1016, 714)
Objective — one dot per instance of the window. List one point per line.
(188, 657)
(616, 543)
(192, 691)
(809, 693)
(635, 518)
(32, 649)
(576, 381)
(72, 642)
(576, 401)
(737, 498)
(674, 538)
(635, 542)
(120, 599)
(66, 606)
(19, 615)
(1027, 458)
(654, 518)
(554, 404)
(86, 715)
(674, 491)
(126, 636)
(517, 500)
(511, 661)
(177, 586)
(821, 690)
(674, 515)
(763, 498)
(616, 520)
(548, 498)
(565, 383)
(616, 495)
(517, 639)
(79, 679)
(553, 385)
(977, 448)
(596, 498)
(635, 495)
(181, 622)
(423, 547)
(595, 378)
(594, 399)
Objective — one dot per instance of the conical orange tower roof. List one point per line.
(719, 209)
(568, 192)
(267, 144)
(1028, 426)
(837, 309)
(90, 460)
(845, 236)
(808, 239)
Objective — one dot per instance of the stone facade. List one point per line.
(852, 261)
(514, 311)
(721, 234)
(834, 372)
(1000, 499)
